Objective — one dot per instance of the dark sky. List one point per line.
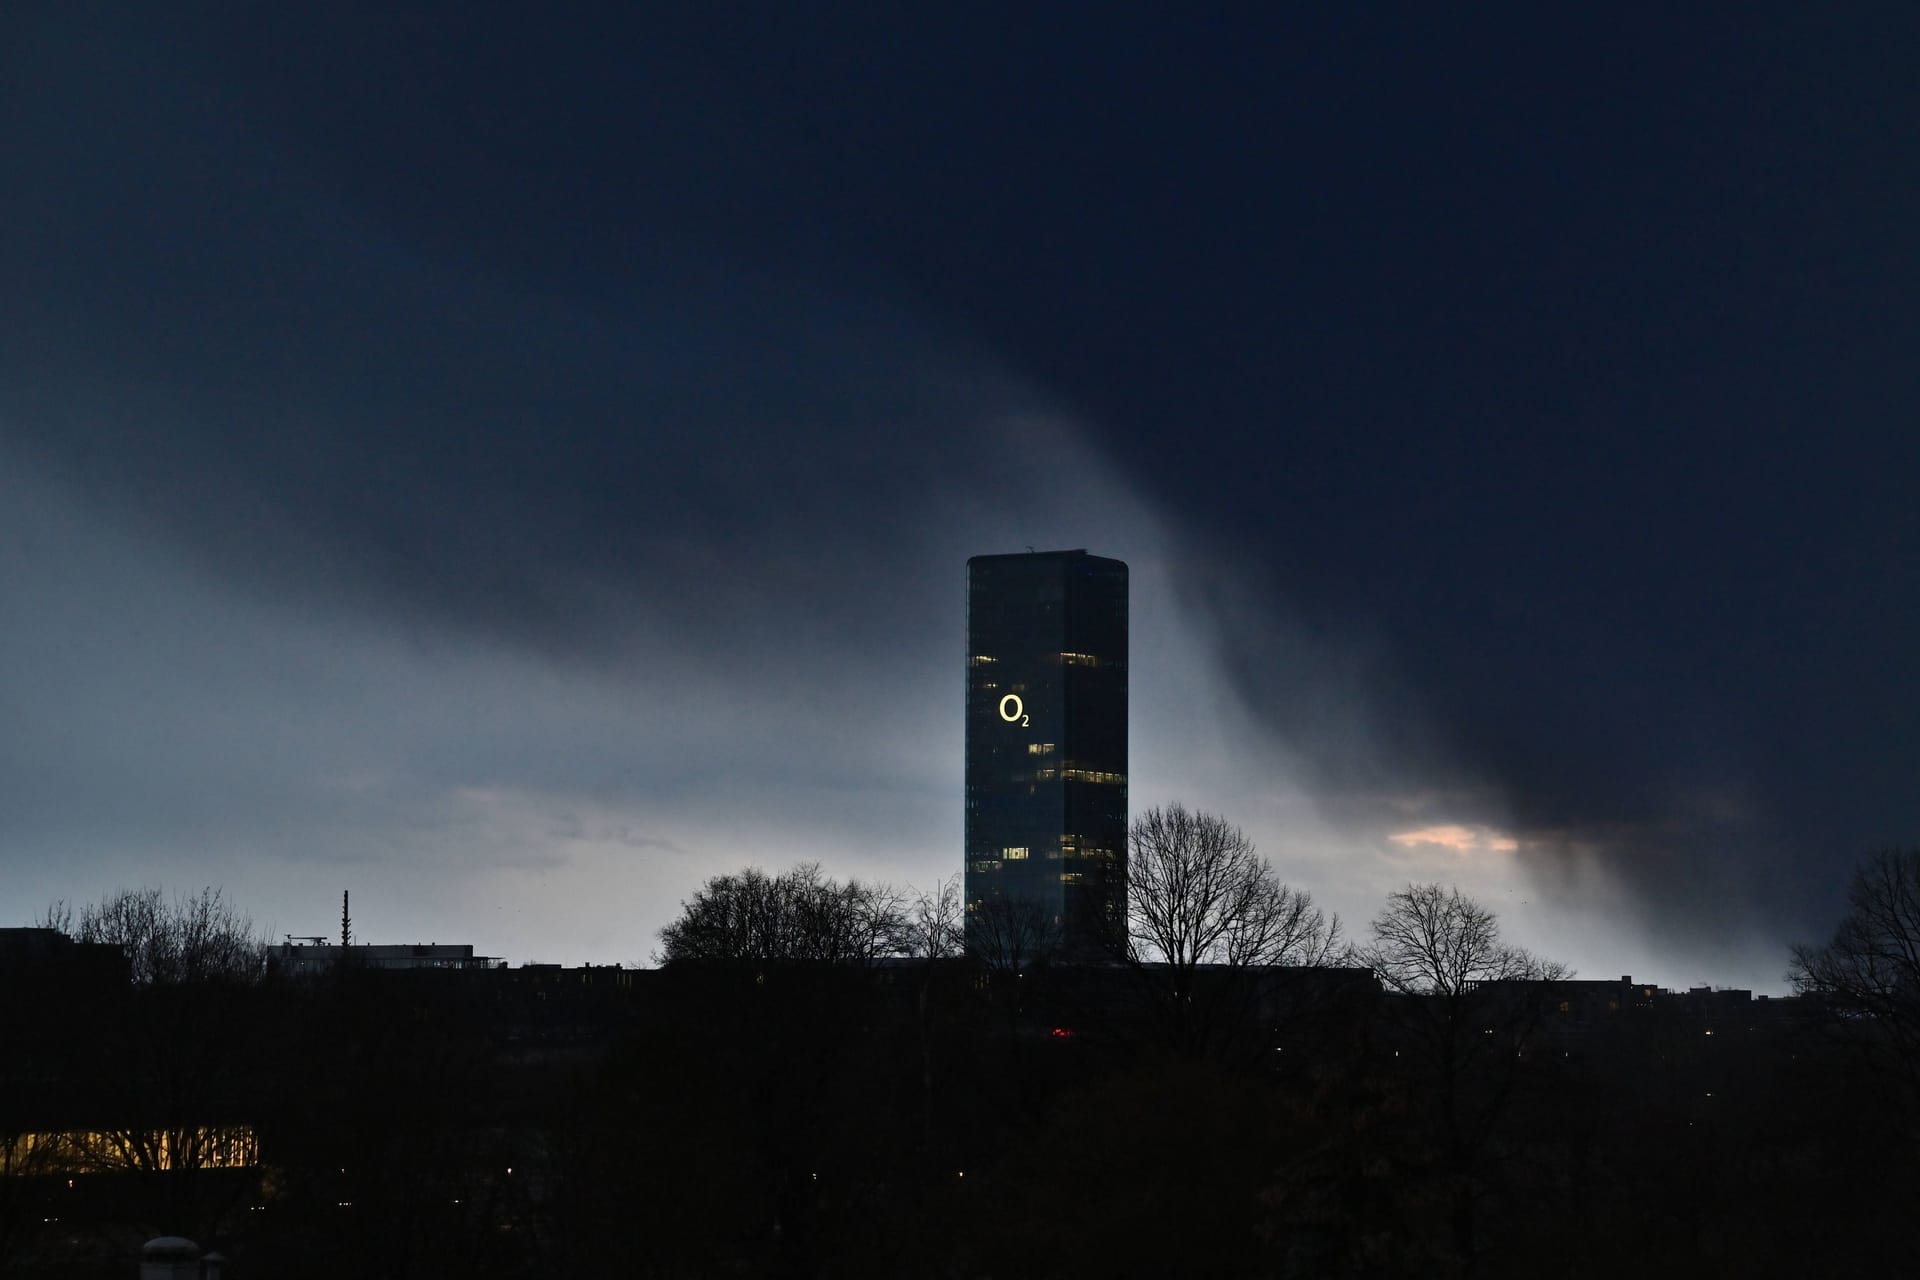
(516, 462)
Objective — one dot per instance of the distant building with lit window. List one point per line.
(1046, 751)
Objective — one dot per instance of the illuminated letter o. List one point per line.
(1019, 708)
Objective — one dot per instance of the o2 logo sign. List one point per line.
(1014, 711)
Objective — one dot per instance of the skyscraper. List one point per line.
(1046, 819)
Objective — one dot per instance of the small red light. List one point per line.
(1063, 1033)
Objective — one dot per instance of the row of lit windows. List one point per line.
(1093, 852)
(986, 865)
(1066, 659)
(1080, 775)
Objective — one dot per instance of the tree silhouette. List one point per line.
(934, 928)
(1434, 941)
(1008, 934)
(1868, 977)
(797, 916)
(195, 938)
(164, 1074)
(1469, 1006)
(1207, 922)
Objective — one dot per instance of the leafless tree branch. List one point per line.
(194, 938)
(1868, 976)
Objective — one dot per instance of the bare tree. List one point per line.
(1009, 934)
(1198, 893)
(58, 916)
(156, 1061)
(934, 927)
(799, 915)
(194, 938)
(1434, 941)
(1469, 1007)
(934, 932)
(881, 924)
(1868, 976)
(1208, 923)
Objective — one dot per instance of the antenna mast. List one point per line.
(346, 922)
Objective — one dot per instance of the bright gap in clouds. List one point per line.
(1457, 838)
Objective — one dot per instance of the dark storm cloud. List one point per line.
(1552, 374)
(333, 557)
(267, 371)
(1518, 412)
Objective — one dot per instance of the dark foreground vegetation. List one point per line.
(943, 1116)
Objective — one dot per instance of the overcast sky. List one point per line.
(516, 463)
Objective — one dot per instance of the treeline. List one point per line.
(1242, 1091)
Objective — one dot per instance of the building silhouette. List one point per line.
(1046, 750)
(297, 957)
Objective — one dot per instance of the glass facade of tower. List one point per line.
(1046, 819)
